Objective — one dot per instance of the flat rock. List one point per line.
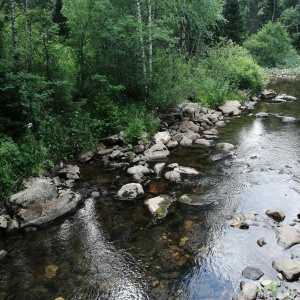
(252, 273)
(287, 97)
(288, 236)
(226, 147)
(262, 115)
(249, 291)
(186, 170)
(157, 151)
(276, 215)
(162, 137)
(290, 268)
(139, 169)
(230, 107)
(87, 156)
(203, 142)
(188, 126)
(42, 203)
(130, 191)
(102, 152)
(158, 206)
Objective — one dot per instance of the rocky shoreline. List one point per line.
(186, 125)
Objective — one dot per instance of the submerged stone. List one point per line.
(158, 206)
(252, 273)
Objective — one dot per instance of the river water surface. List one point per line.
(111, 249)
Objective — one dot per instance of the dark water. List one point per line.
(115, 250)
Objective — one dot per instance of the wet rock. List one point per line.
(262, 115)
(277, 215)
(158, 206)
(175, 165)
(138, 177)
(162, 137)
(185, 199)
(186, 170)
(268, 94)
(139, 169)
(220, 123)
(95, 194)
(158, 168)
(172, 144)
(249, 291)
(3, 253)
(239, 223)
(287, 97)
(261, 242)
(226, 147)
(173, 176)
(50, 271)
(87, 156)
(267, 282)
(130, 191)
(230, 108)
(157, 187)
(288, 236)
(290, 268)
(13, 225)
(203, 142)
(42, 203)
(157, 151)
(69, 172)
(252, 273)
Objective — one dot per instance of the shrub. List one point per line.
(271, 45)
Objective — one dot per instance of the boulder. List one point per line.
(139, 169)
(185, 199)
(173, 176)
(138, 149)
(162, 137)
(102, 152)
(113, 140)
(3, 253)
(268, 94)
(158, 206)
(70, 172)
(186, 141)
(3, 222)
(276, 215)
(158, 168)
(249, 291)
(157, 151)
(290, 268)
(288, 236)
(115, 154)
(87, 156)
(42, 203)
(188, 126)
(203, 142)
(172, 144)
(252, 273)
(230, 108)
(130, 191)
(287, 97)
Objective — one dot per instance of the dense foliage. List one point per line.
(73, 71)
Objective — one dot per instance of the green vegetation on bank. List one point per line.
(73, 71)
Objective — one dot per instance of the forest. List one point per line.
(74, 71)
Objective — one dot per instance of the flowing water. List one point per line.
(111, 249)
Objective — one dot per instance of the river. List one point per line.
(111, 249)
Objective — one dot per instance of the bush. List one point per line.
(271, 45)
(225, 73)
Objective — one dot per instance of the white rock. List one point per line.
(203, 142)
(162, 137)
(157, 151)
(130, 191)
(139, 169)
(186, 171)
(173, 176)
(158, 168)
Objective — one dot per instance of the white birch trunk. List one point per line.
(150, 39)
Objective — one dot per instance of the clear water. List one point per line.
(110, 249)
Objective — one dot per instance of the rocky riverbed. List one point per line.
(146, 172)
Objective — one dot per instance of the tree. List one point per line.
(234, 26)
(271, 10)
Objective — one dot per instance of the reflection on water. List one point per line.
(113, 250)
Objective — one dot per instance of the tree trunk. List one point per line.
(14, 36)
(150, 39)
(141, 38)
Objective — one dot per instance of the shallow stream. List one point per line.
(112, 249)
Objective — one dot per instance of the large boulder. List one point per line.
(268, 94)
(230, 108)
(288, 236)
(162, 137)
(139, 169)
(157, 151)
(130, 191)
(249, 291)
(290, 268)
(42, 203)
